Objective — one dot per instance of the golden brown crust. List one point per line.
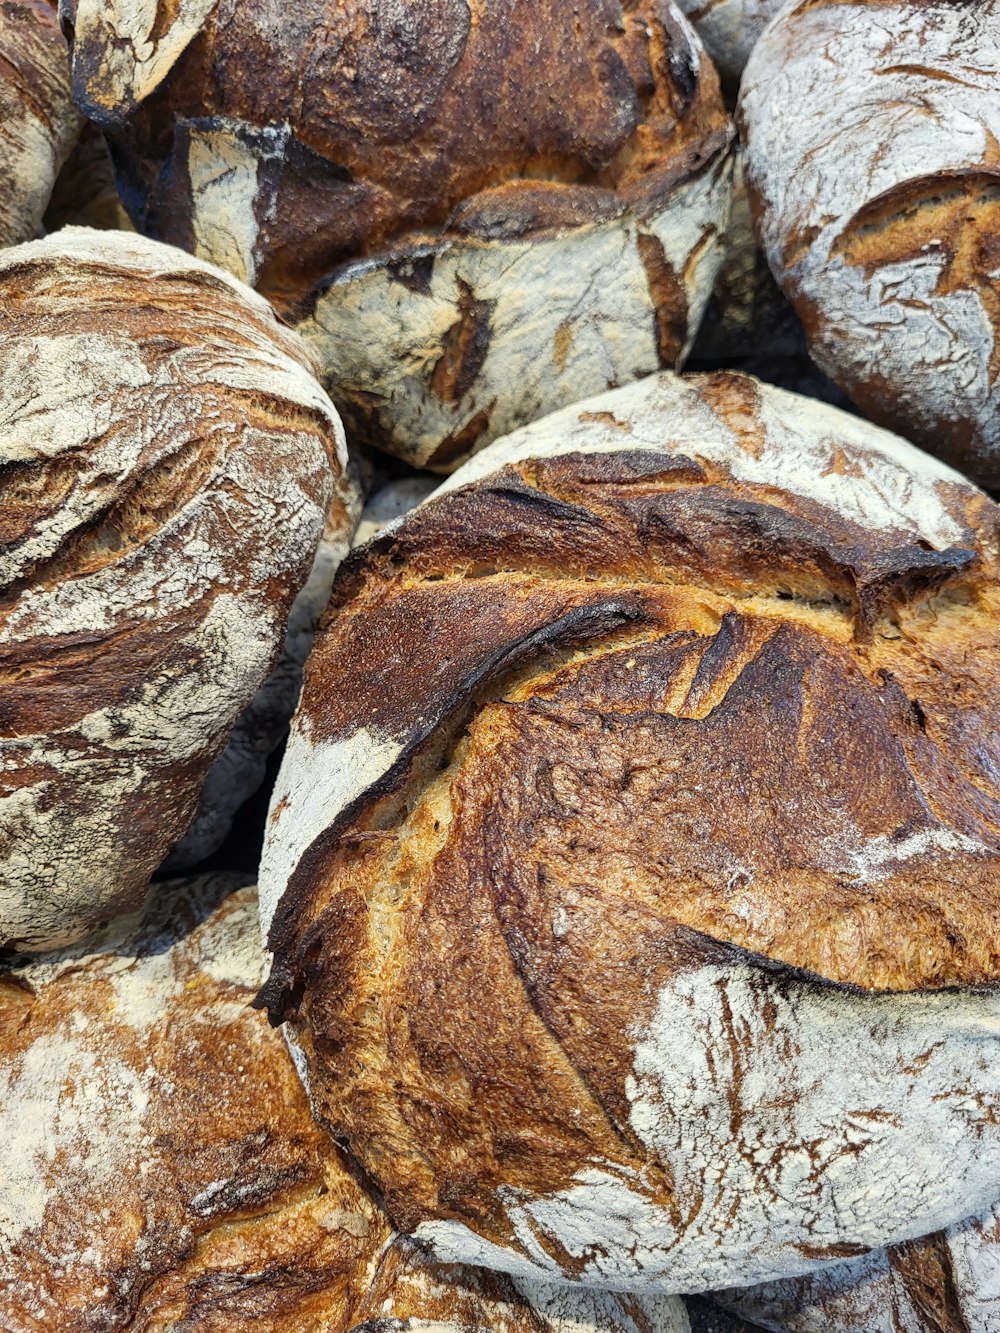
(634, 715)
(399, 118)
(164, 1171)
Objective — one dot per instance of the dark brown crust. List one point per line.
(401, 124)
(183, 1183)
(159, 533)
(767, 692)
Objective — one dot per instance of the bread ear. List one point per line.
(124, 49)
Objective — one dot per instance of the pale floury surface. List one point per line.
(637, 845)
(947, 1281)
(38, 122)
(871, 135)
(167, 463)
(162, 1170)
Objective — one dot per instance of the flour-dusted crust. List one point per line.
(166, 464)
(632, 871)
(945, 1283)
(435, 351)
(240, 769)
(730, 30)
(489, 250)
(38, 121)
(162, 1169)
(872, 132)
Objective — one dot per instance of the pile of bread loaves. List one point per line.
(497, 833)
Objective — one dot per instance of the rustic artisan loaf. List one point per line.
(482, 212)
(162, 1170)
(945, 1283)
(632, 873)
(871, 132)
(730, 29)
(39, 121)
(85, 194)
(241, 768)
(166, 465)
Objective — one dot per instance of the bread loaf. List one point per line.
(85, 194)
(467, 248)
(730, 29)
(945, 1283)
(632, 871)
(40, 123)
(871, 133)
(239, 771)
(166, 464)
(162, 1170)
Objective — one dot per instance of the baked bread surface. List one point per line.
(167, 463)
(632, 871)
(163, 1170)
(465, 247)
(40, 122)
(871, 133)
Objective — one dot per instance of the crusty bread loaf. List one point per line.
(945, 1283)
(468, 247)
(85, 194)
(162, 1170)
(241, 768)
(871, 131)
(730, 30)
(632, 872)
(166, 463)
(39, 121)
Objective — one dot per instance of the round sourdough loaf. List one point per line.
(40, 123)
(162, 1170)
(167, 463)
(632, 873)
(241, 768)
(944, 1283)
(871, 134)
(480, 211)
